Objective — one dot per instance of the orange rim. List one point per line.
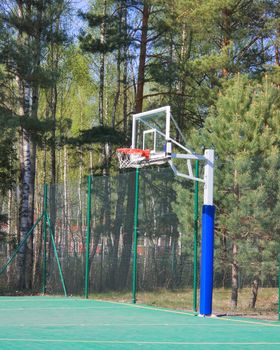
(142, 152)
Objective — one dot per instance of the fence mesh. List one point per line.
(247, 229)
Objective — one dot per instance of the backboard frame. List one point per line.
(141, 116)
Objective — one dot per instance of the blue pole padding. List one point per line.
(207, 260)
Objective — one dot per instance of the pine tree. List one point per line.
(28, 25)
(237, 28)
(244, 131)
(202, 43)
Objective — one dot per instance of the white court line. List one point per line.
(124, 342)
(118, 325)
(58, 308)
(37, 298)
(199, 325)
(40, 300)
(191, 314)
(250, 322)
(150, 308)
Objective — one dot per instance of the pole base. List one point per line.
(211, 316)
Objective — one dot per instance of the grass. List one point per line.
(266, 307)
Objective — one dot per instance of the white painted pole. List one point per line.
(209, 177)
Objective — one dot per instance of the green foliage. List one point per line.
(8, 154)
(244, 131)
(107, 31)
(7, 160)
(243, 128)
(76, 90)
(3, 221)
(98, 135)
(21, 56)
(203, 43)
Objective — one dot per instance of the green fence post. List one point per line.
(56, 256)
(135, 237)
(195, 234)
(88, 236)
(45, 208)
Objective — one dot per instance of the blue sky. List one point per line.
(80, 4)
(77, 22)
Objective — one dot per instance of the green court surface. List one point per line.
(70, 323)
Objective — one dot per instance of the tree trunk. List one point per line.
(10, 237)
(80, 208)
(26, 176)
(125, 76)
(276, 47)
(128, 233)
(234, 276)
(142, 59)
(102, 68)
(116, 230)
(256, 281)
(223, 243)
(254, 293)
(54, 60)
(65, 199)
(91, 162)
(118, 92)
(24, 221)
(53, 108)
(38, 240)
(277, 56)
(185, 53)
(154, 282)
(226, 14)
(174, 248)
(34, 116)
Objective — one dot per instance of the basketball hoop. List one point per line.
(132, 157)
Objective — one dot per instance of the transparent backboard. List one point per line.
(157, 131)
(151, 130)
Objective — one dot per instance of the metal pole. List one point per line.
(207, 238)
(135, 237)
(195, 234)
(45, 207)
(88, 236)
(56, 256)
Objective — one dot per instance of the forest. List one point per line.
(72, 74)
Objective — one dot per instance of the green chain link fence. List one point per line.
(247, 194)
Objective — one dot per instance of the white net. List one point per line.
(129, 158)
(135, 158)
